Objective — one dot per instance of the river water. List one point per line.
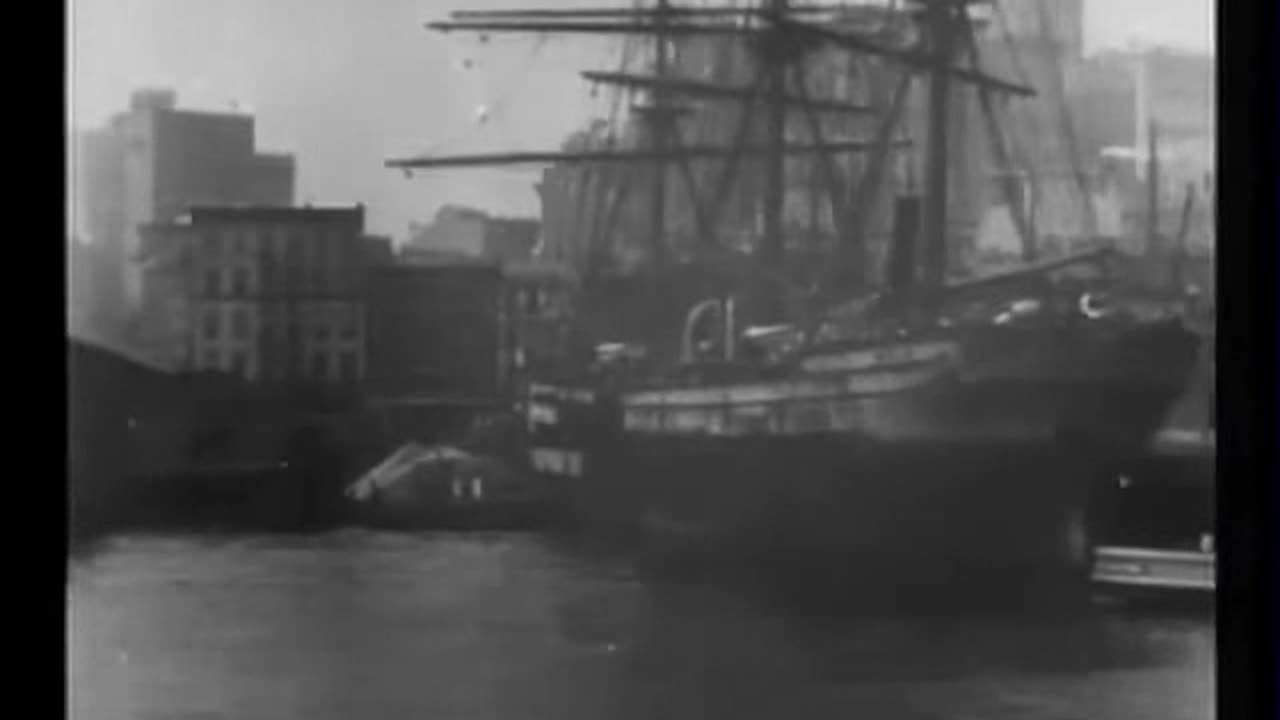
(359, 624)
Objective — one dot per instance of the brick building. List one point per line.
(435, 329)
(511, 241)
(271, 294)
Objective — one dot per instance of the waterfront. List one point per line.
(356, 624)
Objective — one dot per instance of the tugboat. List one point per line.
(943, 434)
(441, 487)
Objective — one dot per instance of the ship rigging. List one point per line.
(965, 435)
(779, 36)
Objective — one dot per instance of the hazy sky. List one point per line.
(346, 84)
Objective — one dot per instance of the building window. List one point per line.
(294, 261)
(240, 323)
(212, 323)
(239, 365)
(349, 321)
(240, 282)
(349, 368)
(346, 254)
(280, 243)
(269, 280)
(243, 243)
(315, 264)
(323, 264)
(267, 322)
(210, 360)
(255, 242)
(225, 243)
(213, 281)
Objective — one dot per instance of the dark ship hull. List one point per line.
(962, 460)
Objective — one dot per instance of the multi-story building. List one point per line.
(455, 232)
(435, 329)
(511, 241)
(152, 163)
(462, 233)
(538, 305)
(380, 250)
(270, 294)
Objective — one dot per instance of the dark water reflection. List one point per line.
(365, 625)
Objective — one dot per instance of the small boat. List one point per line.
(442, 486)
(1132, 568)
(1155, 523)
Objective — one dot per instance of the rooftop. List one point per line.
(103, 347)
(278, 213)
(281, 158)
(539, 270)
(415, 264)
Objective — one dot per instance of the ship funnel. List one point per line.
(902, 248)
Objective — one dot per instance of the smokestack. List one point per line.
(902, 250)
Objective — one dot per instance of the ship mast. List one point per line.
(660, 118)
(782, 36)
(779, 42)
(772, 244)
(940, 24)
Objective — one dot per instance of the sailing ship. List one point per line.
(929, 430)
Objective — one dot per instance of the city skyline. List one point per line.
(355, 84)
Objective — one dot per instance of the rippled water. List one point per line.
(366, 625)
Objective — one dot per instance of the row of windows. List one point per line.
(238, 323)
(239, 280)
(275, 365)
(235, 362)
(281, 242)
(534, 300)
(805, 416)
(320, 367)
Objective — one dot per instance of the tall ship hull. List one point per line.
(952, 459)
(946, 430)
